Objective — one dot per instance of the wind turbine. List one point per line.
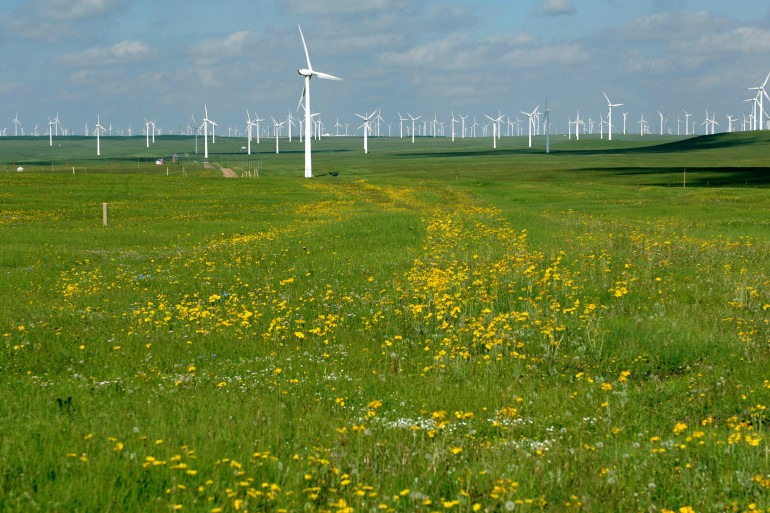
(16, 124)
(206, 122)
(730, 120)
(531, 116)
(99, 129)
(256, 121)
(290, 123)
(547, 117)
(337, 127)
(494, 128)
(308, 73)
(661, 121)
(51, 123)
(249, 124)
(366, 126)
(686, 122)
(277, 129)
(610, 105)
(761, 94)
(147, 131)
(401, 124)
(462, 127)
(413, 120)
(453, 126)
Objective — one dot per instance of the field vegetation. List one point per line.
(432, 327)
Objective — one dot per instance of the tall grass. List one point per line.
(428, 331)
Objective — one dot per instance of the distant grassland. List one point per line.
(440, 327)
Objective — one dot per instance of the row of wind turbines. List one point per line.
(313, 128)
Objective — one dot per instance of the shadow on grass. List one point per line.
(593, 147)
(696, 176)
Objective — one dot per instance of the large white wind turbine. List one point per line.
(610, 105)
(761, 94)
(730, 120)
(662, 115)
(366, 126)
(51, 124)
(686, 122)
(578, 123)
(277, 131)
(462, 127)
(494, 121)
(413, 120)
(401, 124)
(206, 122)
(308, 73)
(99, 129)
(249, 125)
(531, 116)
(16, 124)
(147, 131)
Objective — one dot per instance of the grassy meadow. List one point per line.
(438, 327)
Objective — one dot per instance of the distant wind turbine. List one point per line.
(413, 120)
(99, 129)
(277, 128)
(51, 124)
(401, 124)
(366, 126)
(16, 124)
(531, 116)
(610, 105)
(494, 128)
(761, 94)
(662, 115)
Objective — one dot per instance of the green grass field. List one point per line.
(439, 327)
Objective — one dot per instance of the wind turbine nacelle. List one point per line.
(305, 72)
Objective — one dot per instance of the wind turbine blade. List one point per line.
(300, 99)
(765, 82)
(607, 97)
(325, 76)
(307, 55)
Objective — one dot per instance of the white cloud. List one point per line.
(672, 26)
(460, 53)
(120, 53)
(742, 40)
(557, 55)
(214, 49)
(52, 20)
(315, 7)
(556, 7)
(73, 9)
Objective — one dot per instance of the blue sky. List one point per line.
(164, 60)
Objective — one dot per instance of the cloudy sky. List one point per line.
(128, 59)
